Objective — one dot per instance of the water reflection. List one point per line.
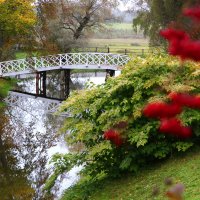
(14, 182)
(24, 145)
(28, 138)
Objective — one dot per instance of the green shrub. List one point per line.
(122, 99)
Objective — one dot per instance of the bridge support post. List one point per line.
(64, 83)
(67, 82)
(109, 73)
(41, 83)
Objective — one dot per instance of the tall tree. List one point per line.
(78, 16)
(17, 17)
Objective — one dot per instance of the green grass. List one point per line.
(23, 54)
(20, 55)
(184, 169)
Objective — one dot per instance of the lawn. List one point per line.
(182, 169)
(185, 169)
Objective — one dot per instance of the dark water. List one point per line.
(28, 139)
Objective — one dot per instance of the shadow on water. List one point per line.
(28, 138)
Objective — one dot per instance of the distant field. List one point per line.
(120, 43)
(122, 26)
(119, 35)
(117, 30)
(122, 46)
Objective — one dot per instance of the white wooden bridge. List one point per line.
(31, 103)
(63, 61)
(39, 66)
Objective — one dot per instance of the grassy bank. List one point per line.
(184, 169)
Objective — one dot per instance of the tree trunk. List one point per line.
(82, 25)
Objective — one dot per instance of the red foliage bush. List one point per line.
(193, 13)
(185, 100)
(180, 44)
(113, 136)
(161, 110)
(174, 127)
(172, 34)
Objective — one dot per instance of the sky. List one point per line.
(125, 6)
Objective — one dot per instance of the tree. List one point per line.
(17, 18)
(155, 15)
(46, 13)
(78, 16)
(72, 20)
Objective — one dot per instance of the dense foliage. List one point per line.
(118, 105)
(5, 86)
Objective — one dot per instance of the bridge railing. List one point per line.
(60, 60)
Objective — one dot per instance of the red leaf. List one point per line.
(185, 100)
(193, 13)
(161, 110)
(174, 127)
(113, 136)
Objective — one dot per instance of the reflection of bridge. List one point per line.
(31, 102)
(105, 61)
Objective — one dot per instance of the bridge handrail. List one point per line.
(21, 59)
(60, 60)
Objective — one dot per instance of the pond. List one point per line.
(29, 137)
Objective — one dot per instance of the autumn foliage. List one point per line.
(113, 136)
(193, 13)
(185, 100)
(180, 43)
(161, 110)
